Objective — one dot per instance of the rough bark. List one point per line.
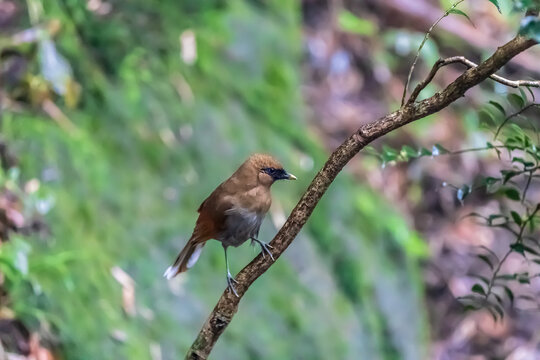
(227, 305)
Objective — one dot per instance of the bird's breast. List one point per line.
(241, 224)
(257, 199)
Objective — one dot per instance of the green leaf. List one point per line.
(493, 314)
(516, 217)
(486, 118)
(485, 259)
(491, 183)
(389, 154)
(438, 150)
(523, 95)
(530, 250)
(474, 214)
(484, 279)
(518, 247)
(496, 3)
(509, 293)
(506, 277)
(470, 297)
(512, 143)
(493, 217)
(518, 133)
(526, 4)
(409, 152)
(525, 163)
(459, 12)
(498, 107)
(477, 288)
(516, 101)
(351, 23)
(499, 299)
(508, 174)
(526, 140)
(491, 180)
(387, 149)
(471, 307)
(532, 225)
(463, 191)
(425, 152)
(512, 194)
(491, 252)
(530, 27)
(531, 93)
(499, 311)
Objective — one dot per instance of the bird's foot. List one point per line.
(230, 284)
(265, 248)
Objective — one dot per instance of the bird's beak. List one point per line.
(291, 177)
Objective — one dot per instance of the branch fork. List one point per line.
(461, 59)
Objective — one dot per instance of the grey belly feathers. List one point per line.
(240, 225)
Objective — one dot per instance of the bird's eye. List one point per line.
(268, 170)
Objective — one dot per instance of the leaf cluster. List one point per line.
(516, 145)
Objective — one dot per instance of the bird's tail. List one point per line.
(186, 259)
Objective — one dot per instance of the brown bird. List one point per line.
(233, 212)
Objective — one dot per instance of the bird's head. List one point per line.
(268, 169)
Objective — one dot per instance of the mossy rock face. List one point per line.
(153, 137)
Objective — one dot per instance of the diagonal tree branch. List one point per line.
(227, 305)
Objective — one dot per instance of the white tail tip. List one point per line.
(170, 272)
(195, 256)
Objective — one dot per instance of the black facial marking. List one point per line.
(276, 174)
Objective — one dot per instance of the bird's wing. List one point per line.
(217, 200)
(231, 198)
(213, 212)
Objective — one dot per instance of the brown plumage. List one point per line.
(233, 212)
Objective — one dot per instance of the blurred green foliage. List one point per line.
(152, 136)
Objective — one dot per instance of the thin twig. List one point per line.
(421, 86)
(500, 264)
(461, 59)
(496, 273)
(529, 179)
(462, 151)
(426, 37)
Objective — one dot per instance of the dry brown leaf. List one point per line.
(128, 290)
(38, 352)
